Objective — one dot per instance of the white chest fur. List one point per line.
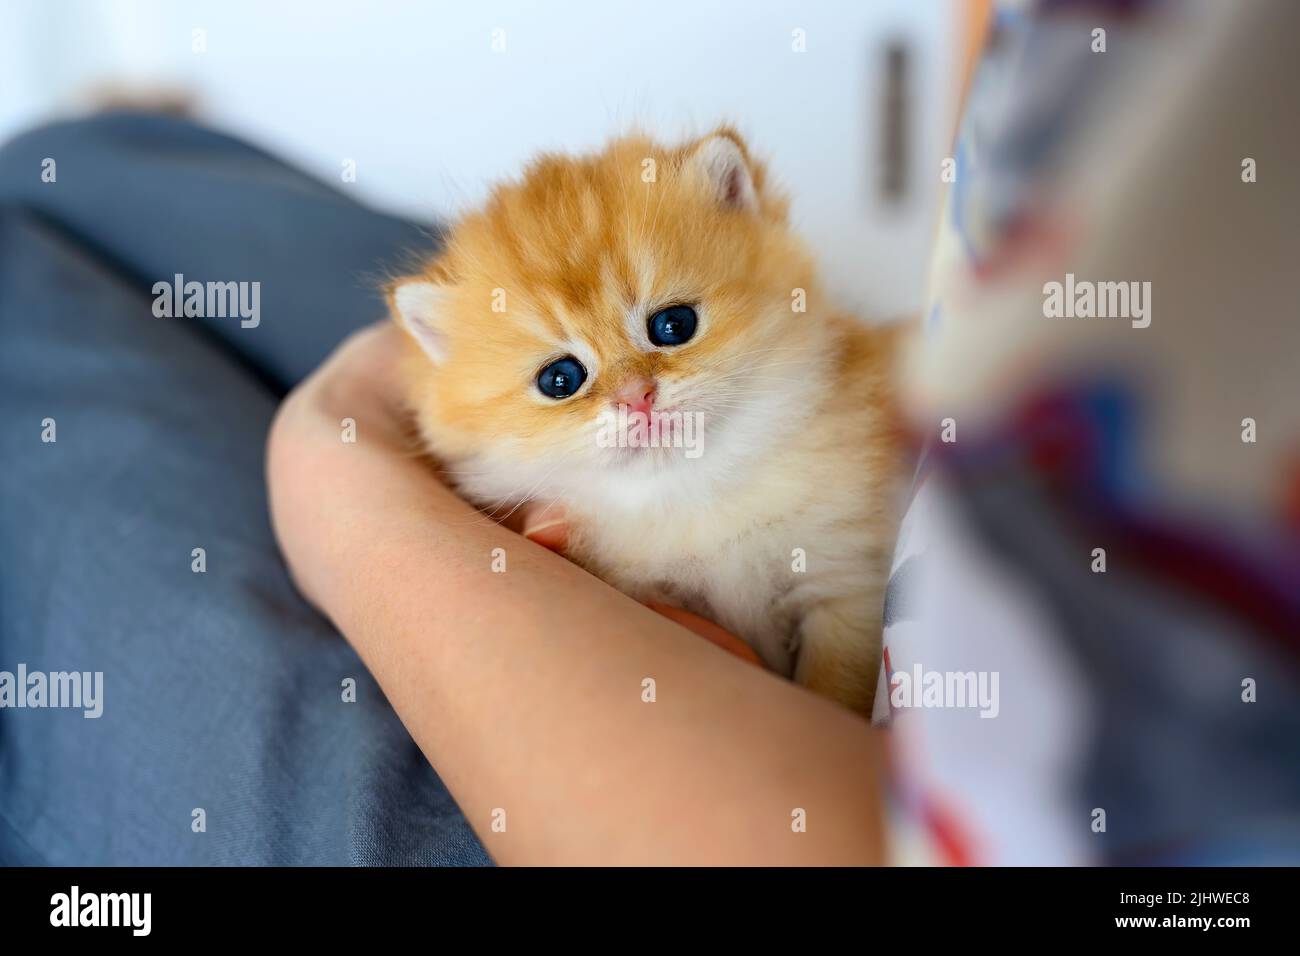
(752, 561)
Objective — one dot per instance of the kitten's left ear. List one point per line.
(720, 162)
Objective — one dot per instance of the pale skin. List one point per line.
(524, 689)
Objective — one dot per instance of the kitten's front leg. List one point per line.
(839, 650)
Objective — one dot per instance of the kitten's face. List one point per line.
(661, 284)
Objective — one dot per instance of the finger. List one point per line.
(547, 526)
(709, 631)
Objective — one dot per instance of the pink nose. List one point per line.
(638, 395)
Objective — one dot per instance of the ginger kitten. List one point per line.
(638, 336)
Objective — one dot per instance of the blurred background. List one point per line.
(851, 102)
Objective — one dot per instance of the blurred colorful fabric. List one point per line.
(1093, 627)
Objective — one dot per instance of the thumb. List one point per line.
(709, 631)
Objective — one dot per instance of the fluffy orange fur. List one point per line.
(798, 459)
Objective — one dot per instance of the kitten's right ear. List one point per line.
(722, 164)
(418, 306)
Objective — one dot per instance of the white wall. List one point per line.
(415, 94)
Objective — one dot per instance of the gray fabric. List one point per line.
(222, 690)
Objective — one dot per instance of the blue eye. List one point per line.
(672, 326)
(561, 378)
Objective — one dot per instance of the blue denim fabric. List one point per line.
(222, 690)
